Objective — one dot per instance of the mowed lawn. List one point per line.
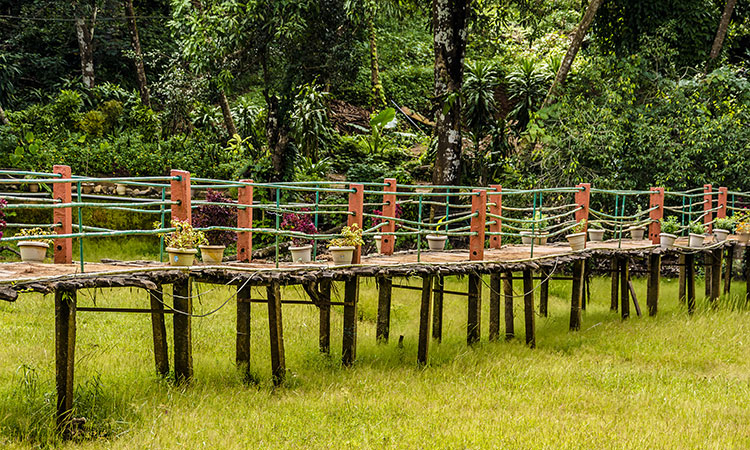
(674, 381)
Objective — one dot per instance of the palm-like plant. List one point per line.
(310, 126)
(528, 87)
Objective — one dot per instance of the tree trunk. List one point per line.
(377, 97)
(3, 118)
(449, 24)
(721, 33)
(135, 41)
(227, 113)
(85, 37)
(575, 45)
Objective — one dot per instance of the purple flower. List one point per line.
(301, 223)
(216, 215)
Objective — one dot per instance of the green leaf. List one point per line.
(383, 118)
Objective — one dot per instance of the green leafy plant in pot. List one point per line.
(436, 242)
(536, 226)
(669, 230)
(342, 248)
(722, 227)
(742, 227)
(577, 237)
(596, 232)
(34, 248)
(181, 243)
(697, 234)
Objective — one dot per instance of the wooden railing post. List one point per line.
(388, 241)
(478, 223)
(63, 217)
(722, 200)
(583, 199)
(245, 220)
(707, 205)
(356, 209)
(180, 188)
(656, 199)
(496, 208)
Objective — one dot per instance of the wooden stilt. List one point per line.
(585, 286)
(615, 284)
(707, 266)
(528, 308)
(729, 257)
(385, 290)
(634, 298)
(159, 331)
(242, 347)
(349, 340)
(624, 294)
(544, 292)
(475, 309)
(65, 344)
(654, 275)
(324, 329)
(437, 308)
(275, 330)
(425, 315)
(495, 293)
(681, 281)
(716, 274)
(690, 281)
(183, 340)
(576, 295)
(508, 291)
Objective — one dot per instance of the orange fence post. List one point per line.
(181, 195)
(478, 223)
(356, 205)
(245, 220)
(63, 217)
(388, 241)
(707, 205)
(656, 198)
(723, 195)
(583, 199)
(496, 208)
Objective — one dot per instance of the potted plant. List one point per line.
(377, 221)
(742, 226)
(722, 227)
(213, 215)
(596, 232)
(669, 230)
(181, 243)
(301, 247)
(436, 242)
(342, 248)
(577, 239)
(536, 226)
(697, 235)
(34, 248)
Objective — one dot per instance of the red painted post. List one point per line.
(723, 196)
(356, 205)
(478, 223)
(181, 195)
(656, 198)
(707, 205)
(63, 216)
(583, 199)
(496, 208)
(245, 220)
(388, 241)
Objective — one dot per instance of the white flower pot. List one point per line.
(526, 237)
(342, 255)
(378, 241)
(667, 240)
(577, 241)
(33, 187)
(696, 240)
(743, 238)
(539, 238)
(301, 254)
(720, 235)
(212, 254)
(596, 235)
(181, 256)
(436, 243)
(33, 251)
(121, 189)
(636, 234)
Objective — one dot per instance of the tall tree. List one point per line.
(450, 32)
(575, 45)
(85, 36)
(721, 33)
(135, 42)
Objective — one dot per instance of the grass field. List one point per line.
(674, 381)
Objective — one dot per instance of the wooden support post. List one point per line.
(180, 189)
(388, 241)
(544, 292)
(690, 281)
(242, 338)
(716, 275)
(63, 216)
(728, 271)
(65, 345)
(624, 293)
(508, 291)
(349, 341)
(183, 339)
(582, 198)
(615, 286)
(478, 224)
(474, 317)
(437, 308)
(275, 329)
(245, 220)
(576, 295)
(681, 279)
(528, 308)
(707, 206)
(385, 290)
(656, 199)
(495, 198)
(356, 205)
(722, 202)
(654, 276)
(324, 329)
(634, 297)
(159, 331)
(585, 286)
(495, 293)
(425, 315)
(708, 277)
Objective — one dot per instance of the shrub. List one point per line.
(670, 225)
(216, 215)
